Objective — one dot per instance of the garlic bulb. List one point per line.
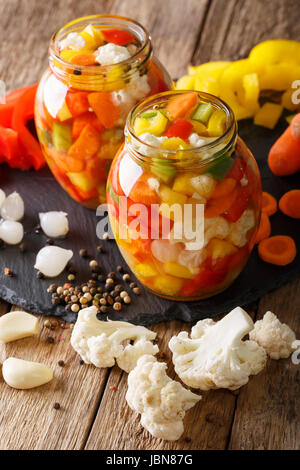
(2, 197)
(54, 224)
(11, 232)
(13, 207)
(52, 260)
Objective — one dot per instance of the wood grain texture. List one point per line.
(27, 418)
(268, 413)
(233, 27)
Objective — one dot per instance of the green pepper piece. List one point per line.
(44, 137)
(163, 170)
(113, 195)
(148, 114)
(61, 136)
(220, 168)
(203, 112)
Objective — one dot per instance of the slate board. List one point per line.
(41, 193)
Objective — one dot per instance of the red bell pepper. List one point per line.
(9, 144)
(29, 145)
(239, 205)
(237, 171)
(117, 36)
(205, 278)
(179, 128)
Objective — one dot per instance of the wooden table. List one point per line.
(264, 414)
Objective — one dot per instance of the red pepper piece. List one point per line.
(117, 36)
(77, 103)
(179, 128)
(29, 144)
(9, 144)
(205, 278)
(237, 171)
(239, 205)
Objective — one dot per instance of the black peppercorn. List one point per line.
(56, 406)
(40, 275)
(77, 72)
(83, 253)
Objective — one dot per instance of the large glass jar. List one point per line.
(81, 110)
(185, 254)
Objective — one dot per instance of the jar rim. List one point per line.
(229, 134)
(96, 69)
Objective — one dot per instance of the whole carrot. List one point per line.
(284, 156)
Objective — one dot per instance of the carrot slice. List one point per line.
(289, 204)
(106, 110)
(279, 250)
(295, 127)
(264, 229)
(220, 205)
(284, 156)
(87, 143)
(179, 106)
(224, 187)
(83, 59)
(269, 203)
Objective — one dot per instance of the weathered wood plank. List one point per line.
(207, 425)
(233, 27)
(27, 417)
(268, 413)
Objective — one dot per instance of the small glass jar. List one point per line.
(78, 142)
(143, 183)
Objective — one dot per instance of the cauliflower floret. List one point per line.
(204, 185)
(275, 337)
(161, 401)
(73, 41)
(149, 139)
(102, 343)
(138, 86)
(196, 141)
(110, 54)
(215, 227)
(238, 230)
(215, 356)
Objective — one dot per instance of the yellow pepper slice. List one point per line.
(286, 100)
(268, 115)
(276, 51)
(168, 285)
(155, 125)
(186, 82)
(178, 270)
(145, 270)
(216, 123)
(220, 248)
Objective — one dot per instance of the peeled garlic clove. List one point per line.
(25, 374)
(54, 224)
(11, 232)
(13, 207)
(2, 197)
(17, 325)
(52, 260)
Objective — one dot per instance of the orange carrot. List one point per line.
(220, 205)
(106, 110)
(179, 106)
(280, 250)
(289, 204)
(295, 127)
(83, 59)
(284, 156)
(224, 187)
(269, 203)
(264, 229)
(87, 143)
(81, 121)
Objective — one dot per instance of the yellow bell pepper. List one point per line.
(182, 184)
(154, 125)
(93, 37)
(212, 69)
(186, 82)
(64, 113)
(81, 180)
(178, 270)
(108, 151)
(268, 115)
(168, 285)
(171, 197)
(199, 127)
(276, 51)
(290, 118)
(145, 270)
(286, 100)
(216, 123)
(220, 248)
(249, 94)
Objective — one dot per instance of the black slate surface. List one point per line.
(41, 193)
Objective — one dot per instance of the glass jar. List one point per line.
(81, 110)
(184, 255)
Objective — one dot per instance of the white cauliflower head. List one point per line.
(103, 343)
(275, 337)
(161, 401)
(215, 355)
(239, 229)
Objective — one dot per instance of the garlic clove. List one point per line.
(54, 224)
(17, 325)
(11, 232)
(13, 207)
(23, 375)
(2, 197)
(52, 260)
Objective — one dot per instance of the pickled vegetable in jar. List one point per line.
(99, 68)
(184, 196)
